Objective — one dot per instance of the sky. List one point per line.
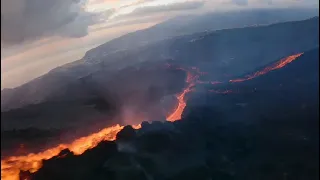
(39, 35)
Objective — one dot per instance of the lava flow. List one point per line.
(283, 62)
(10, 167)
(176, 115)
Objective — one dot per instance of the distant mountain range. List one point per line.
(189, 24)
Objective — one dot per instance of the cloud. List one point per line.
(134, 3)
(23, 20)
(240, 2)
(181, 6)
(27, 20)
(250, 2)
(79, 27)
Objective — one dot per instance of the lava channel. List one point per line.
(10, 167)
(176, 115)
(283, 62)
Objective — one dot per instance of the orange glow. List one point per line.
(32, 162)
(283, 62)
(11, 167)
(176, 115)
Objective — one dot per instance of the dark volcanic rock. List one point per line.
(154, 142)
(25, 175)
(123, 166)
(127, 134)
(192, 173)
(67, 166)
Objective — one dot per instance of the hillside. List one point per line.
(269, 138)
(220, 53)
(190, 24)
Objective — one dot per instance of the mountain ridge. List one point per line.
(207, 22)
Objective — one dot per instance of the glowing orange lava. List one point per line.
(176, 115)
(283, 62)
(11, 166)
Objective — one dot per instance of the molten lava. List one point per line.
(283, 62)
(176, 115)
(11, 166)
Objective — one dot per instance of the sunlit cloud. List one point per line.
(128, 7)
